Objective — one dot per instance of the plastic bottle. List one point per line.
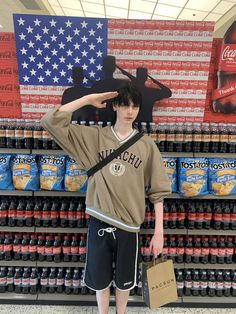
(66, 249)
(46, 213)
(56, 250)
(20, 213)
(196, 283)
(213, 250)
(84, 289)
(16, 247)
(188, 249)
(148, 217)
(1, 246)
(26, 280)
(196, 250)
(179, 282)
(229, 252)
(33, 248)
(197, 138)
(161, 137)
(211, 284)
(7, 247)
(199, 215)
(33, 281)
(221, 251)
(37, 135)
(180, 250)
(10, 279)
(233, 276)
(192, 215)
(3, 212)
(223, 138)
(29, 213)
(82, 249)
(227, 283)
(232, 138)
(41, 248)
(68, 281)
(54, 214)
(2, 133)
(180, 222)
(205, 250)
(166, 215)
(25, 248)
(203, 282)
(76, 282)
(172, 216)
(215, 138)
(28, 141)
(233, 217)
(49, 249)
(219, 283)
(170, 137)
(172, 248)
(12, 213)
(72, 214)
(44, 281)
(207, 215)
(217, 216)
(179, 138)
(188, 283)
(3, 279)
(60, 281)
(80, 214)
(52, 280)
(188, 137)
(19, 134)
(225, 216)
(75, 252)
(64, 214)
(206, 137)
(10, 134)
(37, 213)
(18, 280)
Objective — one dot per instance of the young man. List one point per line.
(116, 194)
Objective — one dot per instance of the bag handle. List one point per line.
(114, 154)
(159, 259)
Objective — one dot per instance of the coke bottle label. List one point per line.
(28, 133)
(226, 217)
(224, 137)
(40, 249)
(173, 216)
(56, 250)
(180, 284)
(212, 284)
(66, 250)
(180, 250)
(206, 138)
(52, 281)
(1, 247)
(25, 249)
(44, 281)
(203, 284)
(63, 214)
(19, 133)
(45, 214)
(180, 216)
(54, 215)
(196, 284)
(232, 137)
(79, 215)
(33, 281)
(75, 250)
(2, 133)
(16, 248)
(148, 216)
(217, 217)
(3, 213)
(68, 282)
(87, 216)
(234, 285)
(10, 280)
(17, 281)
(164, 251)
(32, 248)
(48, 250)
(166, 216)
(197, 137)
(221, 252)
(213, 251)
(46, 135)
(219, 285)
(188, 137)
(233, 217)
(82, 250)
(12, 213)
(189, 251)
(200, 216)
(228, 58)
(227, 284)
(197, 251)
(208, 216)
(172, 250)
(29, 214)
(25, 281)
(20, 214)
(37, 214)
(7, 247)
(10, 133)
(188, 284)
(37, 134)
(215, 137)
(229, 251)
(205, 251)
(60, 282)
(75, 282)
(192, 216)
(179, 137)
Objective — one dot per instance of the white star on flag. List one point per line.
(91, 32)
(91, 46)
(77, 60)
(69, 53)
(84, 66)
(41, 79)
(55, 66)
(76, 46)
(39, 51)
(68, 38)
(84, 39)
(45, 30)
(99, 67)
(84, 24)
(92, 60)
(21, 21)
(92, 74)
(68, 23)
(61, 31)
(61, 45)
(53, 23)
(62, 59)
(99, 25)
(40, 65)
(47, 72)
(70, 80)
(46, 45)
(99, 40)
(22, 36)
(55, 79)
(37, 22)
(33, 72)
(54, 52)
(31, 44)
(25, 65)
(32, 58)
(23, 51)
(53, 37)
(76, 31)
(29, 30)
(26, 78)
(69, 66)
(38, 37)
(63, 73)
(84, 53)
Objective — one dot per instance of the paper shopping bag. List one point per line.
(158, 283)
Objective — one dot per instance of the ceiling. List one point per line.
(223, 12)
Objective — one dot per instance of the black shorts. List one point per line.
(106, 245)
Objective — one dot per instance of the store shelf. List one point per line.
(58, 193)
(16, 229)
(16, 296)
(48, 152)
(210, 266)
(14, 151)
(211, 232)
(19, 263)
(176, 154)
(61, 230)
(61, 264)
(206, 299)
(207, 196)
(16, 192)
(215, 155)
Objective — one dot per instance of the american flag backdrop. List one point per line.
(176, 53)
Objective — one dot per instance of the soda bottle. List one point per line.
(233, 276)
(37, 213)
(225, 216)
(196, 283)
(188, 249)
(60, 281)
(26, 280)
(207, 215)
(206, 136)
(203, 282)
(3, 212)
(80, 214)
(213, 250)
(20, 213)
(16, 247)
(199, 215)
(17, 280)
(152, 131)
(179, 281)
(224, 137)
(33, 248)
(19, 134)
(188, 283)
(180, 216)
(148, 217)
(52, 280)
(38, 135)
(196, 250)
(29, 213)
(66, 249)
(188, 137)
(165, 251)
(144, 129)
(64, 214)
(179, 138)
(76, 282)
(232, 138)
(2, 133)
(153, 218)
(87, 219)
(221, 251)
(68, 281)
(217, 216)
(166, 215)
(161, 137)
(41, 248)
(219, 283)
(180, 250)
(33, 282)
(226, 74)
(3, 279)
(10, 279)
(82, 249)
(28, 141)
(229, 252)
(191, 215)
(211, 284)
(214, 138)
(172, 248)
(44, 281)
(46, 213)
(75, 250)
(84, 289)
(10, 134)
(54, 214)
(47, 140)
(49, 249)
(172, 216)
(227, 283)
(233, 217)
(56, 250)
(25, 248)
(7, 247)
(71, 214)
(205, 250)
(12, 213)
(197, 137)
(2, 238)
(170, 137)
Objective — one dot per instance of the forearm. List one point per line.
(75, 104)
(158, 218)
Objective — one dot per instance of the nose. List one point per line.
(130, 109)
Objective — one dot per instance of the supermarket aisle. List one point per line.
(45, 309)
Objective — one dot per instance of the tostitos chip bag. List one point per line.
(170, 165)
(75, 178)
(25, 172)
(192, 176)
(222, 176)
(5, 173)
(52, 171)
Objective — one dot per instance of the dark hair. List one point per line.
(128, 92)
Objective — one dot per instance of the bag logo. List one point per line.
(117, 169)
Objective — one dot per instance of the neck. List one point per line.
(122, 130)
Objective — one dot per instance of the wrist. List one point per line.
(158, 232)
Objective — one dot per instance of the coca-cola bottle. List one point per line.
(213, 250)
(84, 289)
(68, 281)
(72, 214)
(25, 248)
(229, 252)
(33, 248)
(211, 283)
(180, 250)
(7, 247)
(33, 282)
(54, 214)
(225, 95)
(87, 220)
(225, 216)
(80, 214)
(17, 280)
(217, 216)
(188, 137)
(37, 213)
(170, 137)
(215, 138)
(165, 250)
(188, 249)
(188, 283)
(205, 250)
(82, 249)
(233, 280)
(28, 134)
(26, 280)
(172, 216)
(148, 217)
(205, 138)
(41, 248)
(179, 138)
(203, 282)
(192, 215)
(227, 283)
(20, 213)
(52, 280)
(44, 281)
(231, 147)
(56, 250)
(196, 250)
(29, 213)
(166, 215)
(75, 250)
(17, 247)
(60, 280)
(180, 216)
(2, 133)
(49, 249)
(3, 279)
(161, 137)
(64, 214)
(12, 213)
(10, 279)
(76, 282)
(199, 215)
(196, 282)
(139, 286)
(219, 283)
(224, 137)
(197, 137)
(221, 251)
(207, 215)
(233, 217)
(3, 212)
(37, 135)
(46, 213)
(179, 282)
(66, 249)
(172, 248)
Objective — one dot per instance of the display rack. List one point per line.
(81, 299)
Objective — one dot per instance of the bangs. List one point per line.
(128, 93)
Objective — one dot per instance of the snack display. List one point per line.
(170, 165)
(5, 173)
(75, 178)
